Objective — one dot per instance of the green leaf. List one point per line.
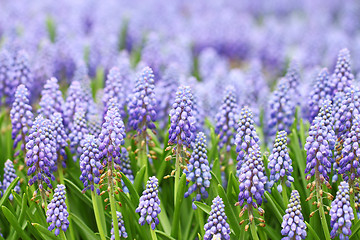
(354, 229)
(164, 235)
(77, 191)
(139, 178)
(271, 233)
(179, 199)
(203, 207)
(133, 193)
(14, 223)
(8, 191)
(313, 233)
(45, 231)
(163, 218)
(276, 208)
(88, 233)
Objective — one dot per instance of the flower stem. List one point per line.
(143, 154)
(253, 231)
(97, 216)
(177, 172)
(112, 200)
(200, 218)
(153, 234)
(321, 207)
(284, 194)
(62, 234)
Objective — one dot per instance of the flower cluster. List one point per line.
(182, 123)
(293, 225)
(73, 103)
(41, 152)
(78, 132)
(142, 104)
(341, 213)
(9, 176)
(51, 100)
(126, 168)
(90, 164)
(198, 170)
(280, 163)
(122, 230)
(246, 137)
(21, 115)
(293, 77)
(94, 123)
(5, 63)
(216, 226)
(149, 206)
(342, 77)
(60, 136)
(226, 119)
(57, 214)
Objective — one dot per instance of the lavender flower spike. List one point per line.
(126, 168)
(149, 206)
(142, 105)
(9, 176)
(78, 132)
(57, 214)
(341, 213)
(122, 230)
(51, 99)
(293, 225)
(342, 77)
(21, 116)
(198, 170)
(280, 163)
(216, 226)
(61, 138)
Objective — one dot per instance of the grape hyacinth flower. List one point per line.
(280, 163)
(61, 138)
(57, 214)
(41, 153)
(321, 91)
(114, 89)
(73, 101)
(342, 78)
(122, 230)
(51, 99)
(198, 170)
(149, 206)
(21, 116)
(226, 119)
(9, 176)
(78, 133)
(126, 168)
(293, 77)
(90, 164)
(341, 213)
(252, 180)
(293, 225)
(246, 136)
(216, 226)
(94, 124)
(5, 64)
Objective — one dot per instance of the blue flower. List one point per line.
(9, 176)
(51, 100)
(216, 226)
(78, 132)
(342, 78)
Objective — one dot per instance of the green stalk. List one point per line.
(97, 216)
(284, 193)
(177, 172)
(62, 235)
(153, 234)
(43, 197)
(321, 208)
(143, 154)
(112, 201)
(252, 225)
(200, 217)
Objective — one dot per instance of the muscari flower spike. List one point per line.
(122, 230)
(114, 89)
(216, 226)
(252, 180)
(341, 213)
(5, 64)
(246, 137)
(126, 168)
(21, 116)
(321, 91)
(293, 225)
(61, 138)
(94, 123)
(342, 77)
(280, 163)
(57, 214)
(149, 206)
(182, 123)
(74, 100)
(142, 104)
(293, 76)
(51, 99)
(226, 119)
(198, 170)
(41, 152)
(78, 132)
(9, 176)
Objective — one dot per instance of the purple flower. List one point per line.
(342, 77)
(57, 214)
(90, 164)
(293, 77)
(61, 138)
(73, 101)
(142, 104)
(94, 124)
(41, 152)
(252, 180)
(51, 99)
(21, 116)
(198, 170)
(293, 225)
(226, 119)
(149, 206)
(78, 132)
(320, 92)
(246, 137)
(9, 176)
(122, 230)
(341, 213)
(5, 64)
(280, 163)
(182, 123)
(114, 89)
(216, 226)
(126, 168)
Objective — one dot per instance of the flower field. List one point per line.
(177, 120)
